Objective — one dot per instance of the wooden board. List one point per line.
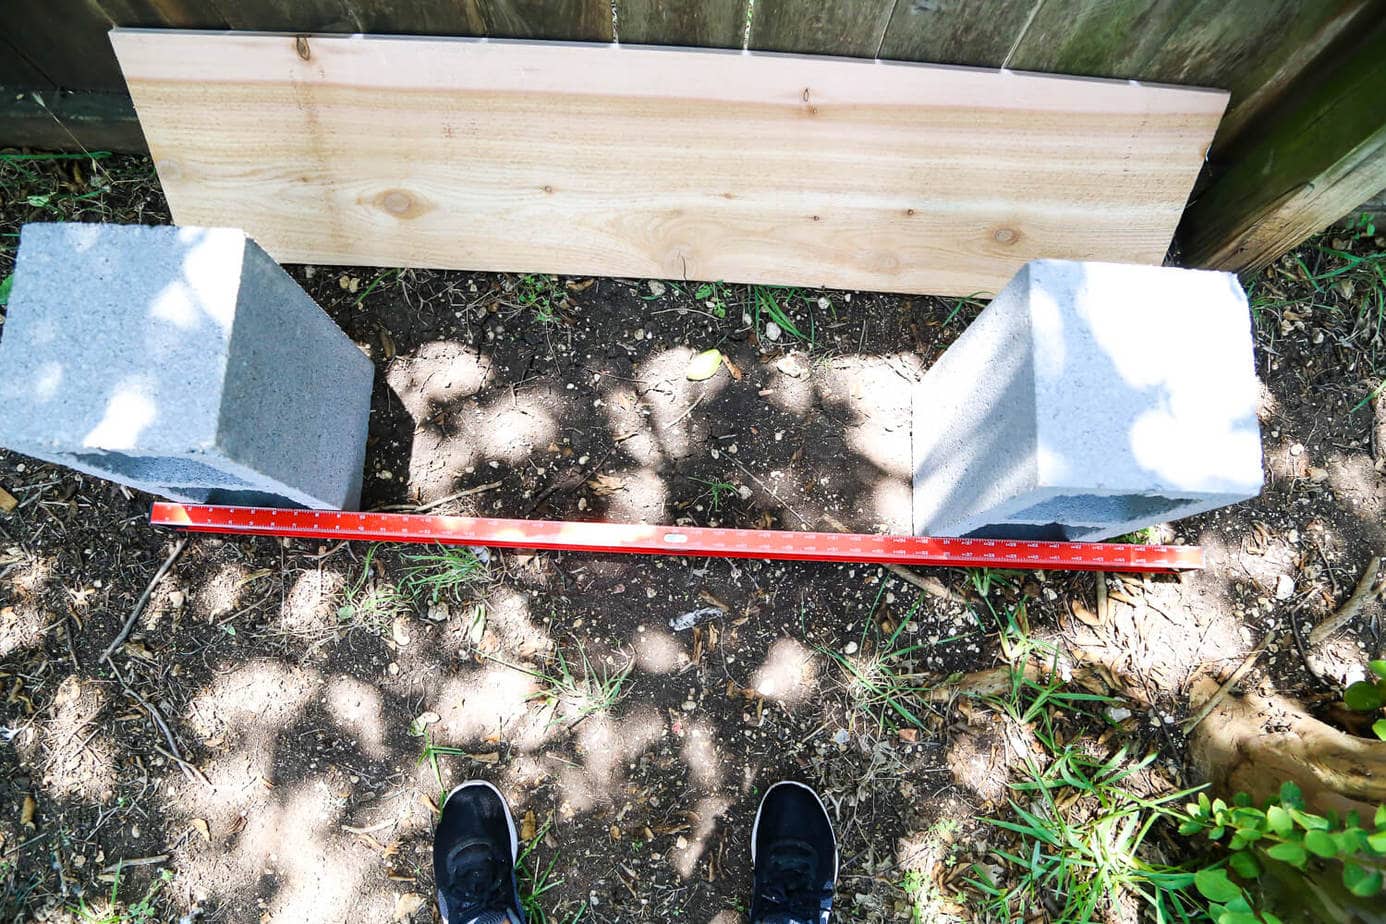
(668, 163)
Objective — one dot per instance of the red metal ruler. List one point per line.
(679, 540)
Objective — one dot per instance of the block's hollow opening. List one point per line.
(165, 470)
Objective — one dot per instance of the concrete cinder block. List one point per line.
(180, 361)
(1089, 400)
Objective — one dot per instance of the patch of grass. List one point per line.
(573, 695)
(975, 301)
(1079, 845)
(536, 880)
(541, 294)
(442, 574)
(717, 491)
(1139, 537)
(771, 303)
(430, 754)
(112, 911)
(372, 603)
(985, 580)
(882, 683)
(380, 277)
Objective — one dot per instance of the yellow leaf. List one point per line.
(529, 826)
(26, 813)
(704, 365)
(201, 827)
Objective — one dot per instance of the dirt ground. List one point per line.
(314, 710)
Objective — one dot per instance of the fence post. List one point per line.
(1308, 162)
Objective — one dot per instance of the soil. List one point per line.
(294, 782)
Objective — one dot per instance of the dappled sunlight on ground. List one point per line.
(79, 759)
(789, 674)
(605, 744)
(489, 703)
(657, 650)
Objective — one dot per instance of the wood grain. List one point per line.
(980, 33)
(824, 27)
(667, 163)
(706, 23)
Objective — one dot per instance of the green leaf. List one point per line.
(1279, 820)
(6, 285)
(1192, 826)
(1237, 917)
(1214, 885)
(1363, 883)
(1377, 667)
(704, 366)
(1321, 843)
(1309, 821)
(1288, 852)
(1377, 842)
(1379, 728)
(1291, 795)
(1244, 865)
(1362, 696)
(1380, 819)
(1242, 800)
(704, 291)
(1350, 841)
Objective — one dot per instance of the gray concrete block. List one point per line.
(1089, 400)
(180, 361)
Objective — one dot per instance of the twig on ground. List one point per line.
(930, 585)
(1218, 695)
(144, 598)
(174, 753)
(423, 508)
(1103, 610)
(1348, 610)
(138, 861)
(572, 481)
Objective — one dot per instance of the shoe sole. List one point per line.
(755, 828)
(509, 819)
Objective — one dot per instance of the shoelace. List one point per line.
(790, 888)
(475, 884)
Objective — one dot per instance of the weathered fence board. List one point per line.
(827, 27)
(1322, 154)
(705, 23)
(418, 17)
(288, 16)
(60, 38)
(575, 20)
(1251, 47)
(976, 32)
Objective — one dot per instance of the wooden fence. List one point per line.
(1303, 142)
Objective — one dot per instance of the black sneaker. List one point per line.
(794, 854)
(474, 852)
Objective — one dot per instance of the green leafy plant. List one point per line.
(1080, 838)
(536, 880)
(541, 294)
(442, 574)
(6, 285)
(1370, 696)
(1284, 832)
(112, 911)
(713, 295)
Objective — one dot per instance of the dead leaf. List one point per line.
(582, 286)
(603, 485)
(732, 367)
(489, 757)
(200, 825)
(26, 812)
(908, 735)
(529, 826)
(7, 501)
(395, 875)
(615, 833)
(406, 904)
(704, 365)
(387, 343)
